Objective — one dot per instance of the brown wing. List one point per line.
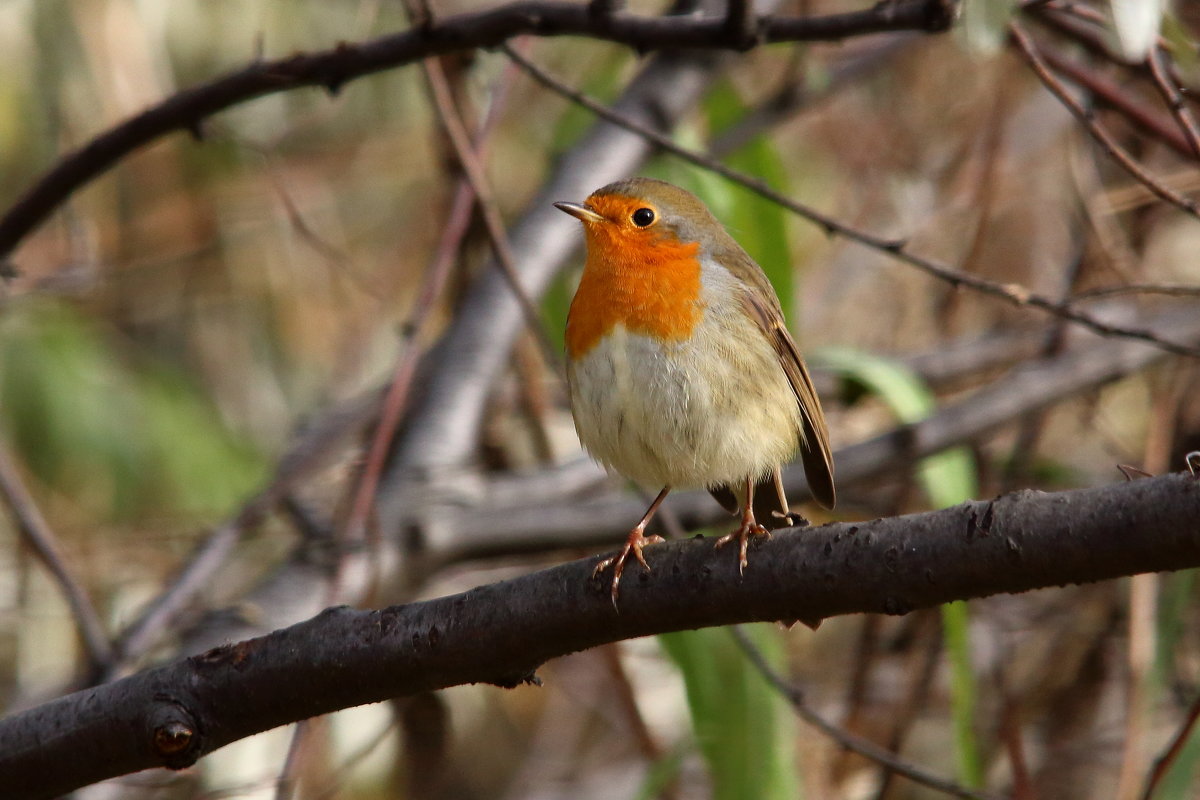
(763, 307)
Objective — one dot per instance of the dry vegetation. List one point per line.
(211, 305)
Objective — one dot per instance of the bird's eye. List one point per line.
(643, 217)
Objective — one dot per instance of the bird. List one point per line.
(681, 372)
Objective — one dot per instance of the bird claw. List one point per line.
(634, 545)
(747, 529)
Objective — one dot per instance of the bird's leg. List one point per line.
(634, 544)
(787, 515)
(748, 528)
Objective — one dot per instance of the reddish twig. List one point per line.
(1161, 73)
(1080, 29)
(457, 222)
(1106, 91)
(285, 784)
(37, 536)
(916, 701)
(337, 783)
(1106, 140)
(452, 123)
(1164, 762)
(1013, 293)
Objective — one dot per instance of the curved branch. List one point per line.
(332, 68)
(501, 633)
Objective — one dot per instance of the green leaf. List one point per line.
(110, 428)
(743, 727)
(948, 478)
(1177, 596)
(964, 691)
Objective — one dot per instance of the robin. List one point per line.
(680, 369)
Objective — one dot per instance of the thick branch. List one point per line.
(330, 69)
(501, 633)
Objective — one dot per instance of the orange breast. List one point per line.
(648, 282)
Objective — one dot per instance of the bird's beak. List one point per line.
(580, 211)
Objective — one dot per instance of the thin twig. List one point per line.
(1105, 139)
(1080, 29)
(631, 714)
(37, 535)
(452, 123)
(795, 94)
(918, 698)
(285, 784)
(338, 782)
(1106, 92)
(1170, 92)
(1164, 762)
(1014, 293)
(457, 222)
(868, 749)
(1167, 289)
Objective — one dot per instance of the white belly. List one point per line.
(708, 412)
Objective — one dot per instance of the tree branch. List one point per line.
(501, 633)
(332, 68)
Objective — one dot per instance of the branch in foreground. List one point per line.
(501, 633)
(332, 68)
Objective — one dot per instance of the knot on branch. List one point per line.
(174, 734)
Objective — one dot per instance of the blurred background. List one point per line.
(183, 320)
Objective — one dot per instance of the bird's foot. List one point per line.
(633, 544)
(791, 519)
(748, 528)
